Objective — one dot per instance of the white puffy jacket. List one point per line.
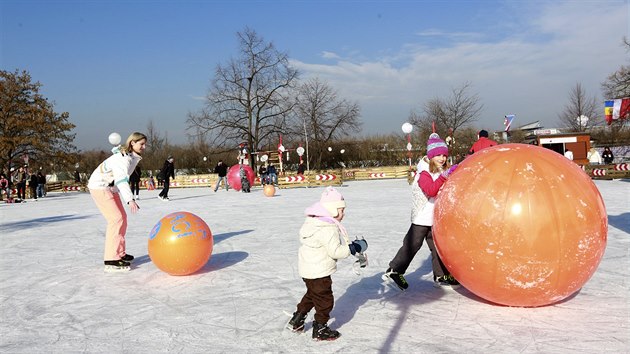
(321, 248)
(114, 173)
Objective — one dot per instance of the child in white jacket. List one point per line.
(324, 241)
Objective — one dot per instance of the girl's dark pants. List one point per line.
(319, 294)
(411, 245)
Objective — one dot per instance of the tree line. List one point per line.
(256, 97)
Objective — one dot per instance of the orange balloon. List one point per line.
(269, 190)
(520, 225)
(180, 243)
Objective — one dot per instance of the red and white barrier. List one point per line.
(174, 184)
(621, 167)
(599, 172)
(295, 179)
(71, 188)
(377, 175)
(325, 177)
(200, 180)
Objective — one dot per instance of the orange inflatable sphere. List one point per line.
(269, 190)
(520, 225)
(180, 243)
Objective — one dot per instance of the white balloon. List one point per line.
(114, 138)
(582, 120)
(264, 158)
(407, 128)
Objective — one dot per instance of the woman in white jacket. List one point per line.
(108, 183)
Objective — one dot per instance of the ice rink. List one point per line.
(55, 297)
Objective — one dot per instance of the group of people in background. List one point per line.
(20, 180)
(594, 157)
(268, 174)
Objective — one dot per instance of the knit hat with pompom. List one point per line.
(436, 146)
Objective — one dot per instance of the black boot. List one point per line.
(296, 323)
(323, 332)
(117, 266)
(127, 258)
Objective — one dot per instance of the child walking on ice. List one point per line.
(321, 248)
(430, 177)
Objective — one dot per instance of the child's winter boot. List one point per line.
(323, 332)
(296, 323)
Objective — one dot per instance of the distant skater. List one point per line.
(167, 172)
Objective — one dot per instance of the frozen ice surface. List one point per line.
(55, 297)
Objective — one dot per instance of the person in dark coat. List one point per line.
(41, 184)
(221, 170)
(262, 173)
(608, 156)
(21, 176)
(168, 172)
(32, 184)
(134, 182)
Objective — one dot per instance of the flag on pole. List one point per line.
(508, 121)
(608, 111)
(616, 109)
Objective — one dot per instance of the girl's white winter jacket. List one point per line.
(321, 248)
(114, 172)
(422, 206)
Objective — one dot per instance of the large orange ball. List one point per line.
(180, 243)
(520, 225)
(269, 190)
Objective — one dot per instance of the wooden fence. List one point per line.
(332, 177)
(614, 171)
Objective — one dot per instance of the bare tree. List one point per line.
(323, 117)
(459, 110)
(249, 97)
(617, 85)
(581, 111)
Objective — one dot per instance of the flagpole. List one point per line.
(507, 121)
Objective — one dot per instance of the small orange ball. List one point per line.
(269, 190)
(180, 243)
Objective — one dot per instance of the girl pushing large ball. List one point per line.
(520, 225)
(180, 243)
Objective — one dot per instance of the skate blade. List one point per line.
(446, 287)
(326, 339)
(114, 269)
(389, 282)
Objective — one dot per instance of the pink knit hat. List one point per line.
(332, 200)
(436, 146)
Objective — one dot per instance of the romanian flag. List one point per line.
(508, 121)
(616, 109)
(608, 111)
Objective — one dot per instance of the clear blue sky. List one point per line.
(116, 65)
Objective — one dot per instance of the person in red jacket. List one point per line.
(482, 142)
